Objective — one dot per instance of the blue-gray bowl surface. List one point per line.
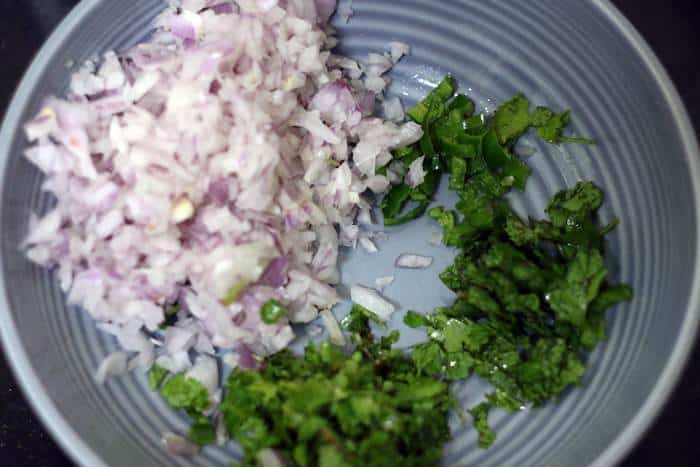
(581, 55)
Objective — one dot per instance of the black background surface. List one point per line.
(669, 26)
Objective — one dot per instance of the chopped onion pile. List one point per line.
(213, 168)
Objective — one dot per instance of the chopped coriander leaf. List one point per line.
(362, 313)
(428, 358)
(272, 311)
(480, 413)
(441, 94)
(185, 393)
(369, 407)
(156, 376)
(202, 434)
(531, 296)
(463, 104)
(502, 164)
(414, 213)
(512, 119)
(393, 202)
(415, 320)
(550, 126)
(458, 173)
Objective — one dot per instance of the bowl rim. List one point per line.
(82, 454)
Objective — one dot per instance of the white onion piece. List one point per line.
(231, 359)
(179, 446)
(383, 282)
(411, 261)
(112, 365)
(416, 173)
(175, 363)
(345, 11)
(393, 109)
(333, 327)
(398, 50)
(221, 432)
(368, 244)
(313, 330)
(372, 300)
(178, 339)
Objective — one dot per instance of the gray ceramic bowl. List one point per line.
(573, 54)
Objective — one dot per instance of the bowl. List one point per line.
(566, 54)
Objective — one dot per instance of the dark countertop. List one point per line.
(670, 28)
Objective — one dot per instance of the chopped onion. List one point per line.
(113, 364)
(393, 109)
(333, 327)
(416, 173)
(345, 11)
(411, 261)
(383, 282)
(368, 244)
(372, 300)
(398, 50)
(179, 446)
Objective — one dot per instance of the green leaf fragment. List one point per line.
(512, 119)
(415, 320)
(156, 376)
(185, 393)
(480, 414)
(441, 94)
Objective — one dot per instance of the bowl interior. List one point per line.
(565, 54)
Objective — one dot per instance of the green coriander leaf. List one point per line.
(441, 94)
(458, 365)
(415, 213)
(185, 393)
(585, 275)
(480, 414)
(463, 104)
(415, 320)
(330, 456)
(395, 200)
(202, 434)
(458, 173)
(156, 376)
(541, 116)
(364, 313)
(512, 119)
(504, 165)
(428, 358)
(550, 126)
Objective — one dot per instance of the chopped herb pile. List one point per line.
(331, 409)
(531, 296)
